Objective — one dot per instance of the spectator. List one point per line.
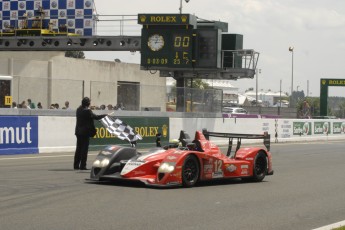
(67, 105)
(30, 104)
(120, 106)
(110, 107)
(23, 105)
(56, 105)
(305, 109)
(52, 106)
(102, 107)
(84, 129)
(39, 105)
(14, 105)
(158, 139)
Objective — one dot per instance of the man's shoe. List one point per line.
(84, 169)
(76, 168)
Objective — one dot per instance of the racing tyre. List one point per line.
(190, 171)
(260, 167)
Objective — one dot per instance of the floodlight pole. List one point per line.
(256, 88)
(291, 48)
(181, 5)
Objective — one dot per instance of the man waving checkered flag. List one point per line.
(120, 129)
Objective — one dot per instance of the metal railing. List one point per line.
(244, 59)
(130, 96)
(123, 25)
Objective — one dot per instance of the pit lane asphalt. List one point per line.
(307, 191)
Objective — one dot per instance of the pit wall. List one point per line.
(53, 134)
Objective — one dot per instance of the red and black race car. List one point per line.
(196, 160)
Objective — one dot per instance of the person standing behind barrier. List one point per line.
(39, 105)
(31, 105)
(67, 105)
(84, 129)
(158, 140)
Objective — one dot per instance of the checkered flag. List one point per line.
(120, 129)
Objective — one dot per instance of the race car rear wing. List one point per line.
(239, 136)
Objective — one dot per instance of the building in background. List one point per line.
(50, 77)
(267, 98)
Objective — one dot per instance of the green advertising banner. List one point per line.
(301, 128)
(147, 127)
(321, 127)
(338, 127)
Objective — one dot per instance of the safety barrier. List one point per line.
(37, 133)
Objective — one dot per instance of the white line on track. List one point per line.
(332, 226)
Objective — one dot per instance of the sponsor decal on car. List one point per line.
(244, 172)
(139, 172)
(244, 166)
(217, 175)
(207, 168)
(231, 168)
(249, 158)
(171, 158)
(131, 165)
(145, 157)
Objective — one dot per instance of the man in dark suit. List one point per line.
(84, 129)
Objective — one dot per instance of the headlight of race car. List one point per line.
(101, 163)
(167, 167)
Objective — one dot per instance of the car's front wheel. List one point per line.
(190, 171)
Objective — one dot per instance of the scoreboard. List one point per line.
(167, 48)
(175, 41)
(167, 40)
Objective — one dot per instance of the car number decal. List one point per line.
(217, 169)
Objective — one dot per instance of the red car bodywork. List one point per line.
(203, 158)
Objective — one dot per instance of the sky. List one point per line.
(315, 28)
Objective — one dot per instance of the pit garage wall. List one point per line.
(56, 134)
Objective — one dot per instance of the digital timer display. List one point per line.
(167, 48)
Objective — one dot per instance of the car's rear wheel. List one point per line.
(260, 167)
(190, 171)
